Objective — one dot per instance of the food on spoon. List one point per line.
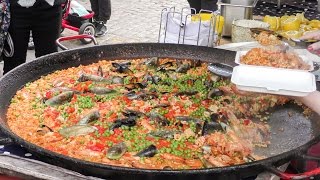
(179, 116)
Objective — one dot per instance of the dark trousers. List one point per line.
(210, 5)
(43, 20)
(101, 9)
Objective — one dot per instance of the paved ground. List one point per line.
(131, 21)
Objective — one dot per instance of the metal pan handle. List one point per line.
(304, 175)
(68, 38)
(283, 175)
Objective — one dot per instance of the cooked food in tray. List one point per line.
(142, 113)
(274, 58)
(266, 38)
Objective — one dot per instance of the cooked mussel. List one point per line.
(92, 116)
(153, 61)
(188, 119)
(158, 119)
(162, 105)
(44, 129)
(132, 113)
(150, 151)
(77, 130)
(153, 79)
(117, 80)
(122, 67)
(60, 99)
(215, 92)
(141, 95)
(91, 77)
(167, 168)
(210, 127)
(135, 86)
(117, 151)
(163, 133)
(100, 71)
(187, 93)
(129, 121)
(100, 90)
(183, 68)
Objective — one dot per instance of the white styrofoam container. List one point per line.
(273, 80)
(304, 57)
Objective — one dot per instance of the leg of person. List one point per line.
(196, 4)
(104, 16)
(95, 9)
(19, 31)
(45, 27)
(210, 5)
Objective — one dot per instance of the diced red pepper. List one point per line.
(126, 99)
(70, 110)
(170, 114)
(49, 95)
(163, 143)
(246, 122)
(97, 147)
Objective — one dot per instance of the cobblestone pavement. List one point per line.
(131, 21)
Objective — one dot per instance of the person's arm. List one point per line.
(312, 101)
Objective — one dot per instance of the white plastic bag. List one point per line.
(179, 29)
(76, 8)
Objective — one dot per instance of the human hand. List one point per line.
(315, 47)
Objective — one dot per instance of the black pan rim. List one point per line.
(260, 163)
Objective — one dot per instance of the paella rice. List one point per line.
(144, 113)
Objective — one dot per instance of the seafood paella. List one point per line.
(146, 113)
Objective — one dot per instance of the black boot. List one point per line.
(101, 28)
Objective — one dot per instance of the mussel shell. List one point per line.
(159, 119)
(183, 68)
(187, 119)
(153, 61)
(95, 115)
(150, 151)
(214, 117)
(215, 92)
(117, 151)
(187, 93)
(60, 99)
(122, 67)
(117, 80)
(163, 105)
(44, 129)
(210, 127)
(100, 71)
(101, 90)
(77, 130)
(91, 77)
(135, 86)
(130, 122)
(164, 133)
(132, 113)
(167, 168)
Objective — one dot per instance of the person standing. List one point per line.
(210, 5)
(102, 13)
(43, 18)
